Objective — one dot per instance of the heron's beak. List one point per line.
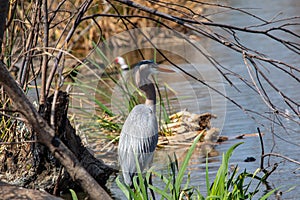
(161, 69)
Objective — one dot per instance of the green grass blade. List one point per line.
(207, 177)
(219, 187)
(163, 193)
(199, 195)
(100, 53)
(142, 185)
(266, 196)
(73, 194)
(103, 107)
(123, 188)
(168, 182)
(185, 164)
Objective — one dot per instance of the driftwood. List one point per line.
(185, 126)
(46, 136)
(14, 192)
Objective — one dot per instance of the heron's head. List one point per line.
(146, 68)
(143, 70)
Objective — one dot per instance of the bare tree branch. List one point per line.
(45, 56)
(282, 156)
(3, 13)
(83, 8)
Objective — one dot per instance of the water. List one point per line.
(232, 120)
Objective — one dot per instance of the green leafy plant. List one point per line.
(173, 188)
(235, 186)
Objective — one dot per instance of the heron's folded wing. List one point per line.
(138, 138)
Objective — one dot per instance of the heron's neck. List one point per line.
(149, 90)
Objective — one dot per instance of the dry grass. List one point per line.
(103, 27)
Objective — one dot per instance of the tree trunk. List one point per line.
(46, 136)
(47, 166)
(3, 14)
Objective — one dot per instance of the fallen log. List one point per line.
(14, 192)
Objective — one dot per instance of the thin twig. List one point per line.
(262, 149)
(45, 56)
(282, 156)
(83, 8)
(12, 143)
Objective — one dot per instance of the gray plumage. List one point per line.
(139, 135)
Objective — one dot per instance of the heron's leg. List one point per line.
(150, 182)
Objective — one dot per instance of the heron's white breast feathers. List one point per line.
(141, 122)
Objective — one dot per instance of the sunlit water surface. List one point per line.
(232, 121)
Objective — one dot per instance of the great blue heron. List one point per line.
(139, 134)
